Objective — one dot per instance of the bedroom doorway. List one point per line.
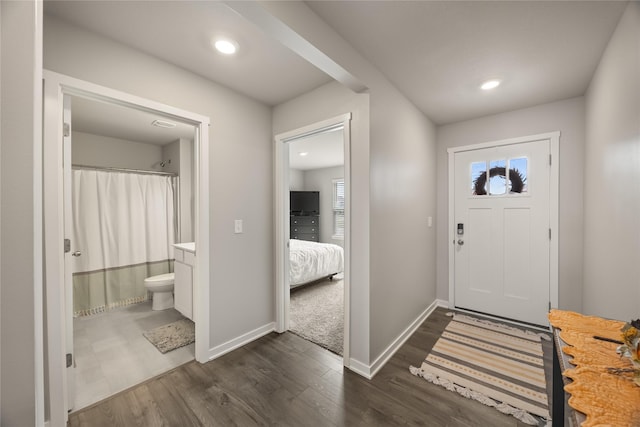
(312, 233)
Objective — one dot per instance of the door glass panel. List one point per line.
(518, 175)
(478, 178)
(497, 177)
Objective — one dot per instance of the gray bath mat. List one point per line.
(172, 336)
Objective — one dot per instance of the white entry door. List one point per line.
(502, 230)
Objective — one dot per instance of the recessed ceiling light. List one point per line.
(304, 153)
(163, 124)
(490, 84)
(226, 46)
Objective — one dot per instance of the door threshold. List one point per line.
(519, 323)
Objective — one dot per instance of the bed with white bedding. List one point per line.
(309, 261)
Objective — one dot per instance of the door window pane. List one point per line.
(497, 177)
(479, 178)
(518, 175)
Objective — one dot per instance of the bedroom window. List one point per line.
(338, 209)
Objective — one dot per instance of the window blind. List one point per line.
(338, 207)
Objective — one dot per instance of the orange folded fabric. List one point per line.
(588, 351)
(590, 325)
(606, 399)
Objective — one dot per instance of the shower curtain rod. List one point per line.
(139, 171)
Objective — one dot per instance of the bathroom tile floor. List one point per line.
(111, 353)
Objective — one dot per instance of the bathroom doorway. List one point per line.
(131, 202)
(119, 317)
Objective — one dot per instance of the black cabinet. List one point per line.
(305, 227)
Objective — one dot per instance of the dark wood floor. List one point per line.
(283, 380)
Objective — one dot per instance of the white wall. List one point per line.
(567, 117)
(170, 154)
(21, 364)
(103, 151)
(296, 180)
(180, 153)
(612, 176)
(322, 180)
(187, 203)
(328, 101)
(403, 196)
(402, 162)
(240, 162)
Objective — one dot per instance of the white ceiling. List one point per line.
(181, 32)
(323, 150)
(115, 121)
(439, 52)
(436, 52)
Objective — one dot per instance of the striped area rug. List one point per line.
(495, 364)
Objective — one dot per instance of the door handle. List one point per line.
(76, 253)
(460, 242)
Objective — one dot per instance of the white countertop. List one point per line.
(189, 246)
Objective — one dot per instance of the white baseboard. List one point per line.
(360, 368)
(442, 303)
(237, 342)
(369, 371)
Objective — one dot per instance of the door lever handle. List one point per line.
(460, 242)
(76, 253)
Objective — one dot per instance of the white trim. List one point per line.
(243, 339)
(360, 368)
(451, 234)
(501, 319)
(442, 303)
(201, 233)
(54, 271)
(508, 141)
(56, 85)
(554, 221)
(38, 218)
(554, 209)
(281, 182)
(346, 138)
(401, 339)
(369, 371)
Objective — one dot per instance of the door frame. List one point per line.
(55, 87)
(281, 190)
(554, 181)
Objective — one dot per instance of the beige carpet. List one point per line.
(316, 313)
(174, 335)
(496, 364)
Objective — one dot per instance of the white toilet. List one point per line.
(161, 288)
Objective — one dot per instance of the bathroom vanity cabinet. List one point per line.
(185, 254)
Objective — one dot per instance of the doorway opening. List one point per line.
(312, 233)
(130, 188)
(179, 215)
(503, 228)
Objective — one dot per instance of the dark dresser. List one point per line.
(305, 227)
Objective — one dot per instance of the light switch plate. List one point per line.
(238, 226)
(430, 221)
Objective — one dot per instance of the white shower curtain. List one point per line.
(124, 225)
